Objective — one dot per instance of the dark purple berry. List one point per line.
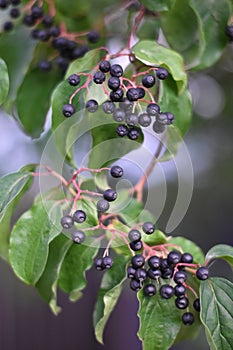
(110, 195)
(167, 291)
(164, 264)
(153, 109)
(92, 106)
(108, 107)
(54, 31)
(126, 105)
(134, 236)
(102, 205)
(44, 65)
(107, 262)
(202, 273)
(74, 79)
(14, 13)
(68, 110)
(196, 304)
(180, 277)
(135, 285)
(43, 35)
(99, 77)
(148, 227)
(29, 21)
(47, 21)
(133, 94)
(114, 83)
(162, 118)
(180, 290)
(104, 66)
(119, 115)
(170, 118)
(122, 130)
(37, 12)
(116, 171)
(67, 221)
(188, 318)
(137, 261)
(154, 274)
(133, 133)
(93, 37)
(131, 119)
(149, 290)
(130, 271)
(7, 26)
(78, 237)
(229, 31)
(162, 73)
(173, 258)
(186, 258)
(135, 246)
(182, 303)
(116, 70)
(154, 262)
(79, 216)
(116, 95)
(141, 92)
(148, 80)
(98, 262)
(15, 2)
(144, 119)
(167, 273)
(140, 274)
(158, 127)
(4, 4)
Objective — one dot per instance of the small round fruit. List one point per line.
(154, 262)
(141, 92)
(202, 273)
(78, 237)
(116, 95)
(119, 115)
(102, 205)
(135, 246)
(167, 291)
(154, 274)
(135, 285)
(104, 66)
(186, 258)
(107, 262)
(137, 261)
(74, 80)
(130, 271)
(79, 216)
(167, 273)
(116, 171)
(108, 107)
(133, 133)
(153, 109)
(182, 303)
(7, 26)
(180, 290)
(196, 304)
(149, 290)
(180, 277)
(140, 274)
(162, 73)
(114, 83)
(170, 118)
(158, 127)
(110, 195)
(98, 262)
(162, 118)
(67, 221)
(134, 235)
(126, 105)
(132, 94)
(14, 13)
(92, 106)
(173, 258)
(148, 227)
(93, 37)
(131, 119)
(148, 80)
(116, 70)
(188, 318)
(68, 110)
(44, 65)
(144, 119)
(122, 130)
(99, 77)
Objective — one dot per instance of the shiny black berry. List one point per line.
(116, 95)
(149, 290)
(133, 94)
(137, 261)
(134, 236)
(167, 291)
(15, 2)
(188, 318)
(104, 66)
(78, 237)
(180, 277)
(167, 273)
(107, 262)
(154, 274)
(154, 262)
(122, 130)
(29, 21)
(162, 118)
(116, 70)
(133, 133)
(196, 304)
(116, 171)
(170, 118)
(102, 205)
(131, 119)
(140, 274)
(173, 258)
(67, 221)
(99, 77)
(4, 4)
(180, 290)
(186, 258)
(135, 285)
(126, 105)
(202, 273)
(148, 227)
(74, 79)
(114, 83)
(162, 73)
(108, 107)
(92, 106)
(153, 109)
(130, 271)
(148, 80)
(79, 216)
(14, 13)
(182, 302)
(144, 119)
(54, 31)
(135, 246)
(141, 92)
(68, 110)
(119, 115)
(98, 262)
(93, 37)
(158, 127)
(110, 195)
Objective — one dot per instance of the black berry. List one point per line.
(114, 83)
(167, 273)
(93, 37)
(173, 258)
(180, 277)
(166, 291)
(122, 130)
(67, 221)
(131, 119)
(134, 236)
(37, 12)
(144, 119)
(92, 106)
(126, 105)
(186, 258)
(202, 273)
(99, 77)
(158, 127)
(135, 285)
(107, 262)
(15, 2)
(98, 262)
(117, 95)
(133, 94)
(154, 262)
(14, 13)
(170, 118)
(148, 227)
(180, 290)
(54, 31)
(79, 216)
(149, 290)
(4, 4)
(68, 110)
(196, 304)
(137, 261)
(116, 70)
(140, 274)
(47, 21)
(116, 171)
(102, 205)
(44, 65)
(135, 246)
(133, 133)
(141, 92)
(229, 31)
(110, 195)
(148, 80)
(73, 79)
(182, 303)
(130, 272)
(119, 115)
(29, 21)
(108, 107)
(153, 109)
(7, 26)
(154, 274)
(104, 66)
(78, 237)
(162, 73)
(162, 118)
(188, 318)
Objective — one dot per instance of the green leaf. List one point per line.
(160, 322)
(213, 17)
(33, 99)
(217, 312)
(180, 106)
(152, 54)
(157, 6)
(4, 81)
(73, 9)
(220, 251)
(77, 261)
(16, 49)
(29, 242)
(10, 186)
(182, 30)
(190, 247)
(47, 284)
(110, 289)
(156, 238)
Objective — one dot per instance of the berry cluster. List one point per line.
(124, 98)
(152, 273)
(45, 30)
